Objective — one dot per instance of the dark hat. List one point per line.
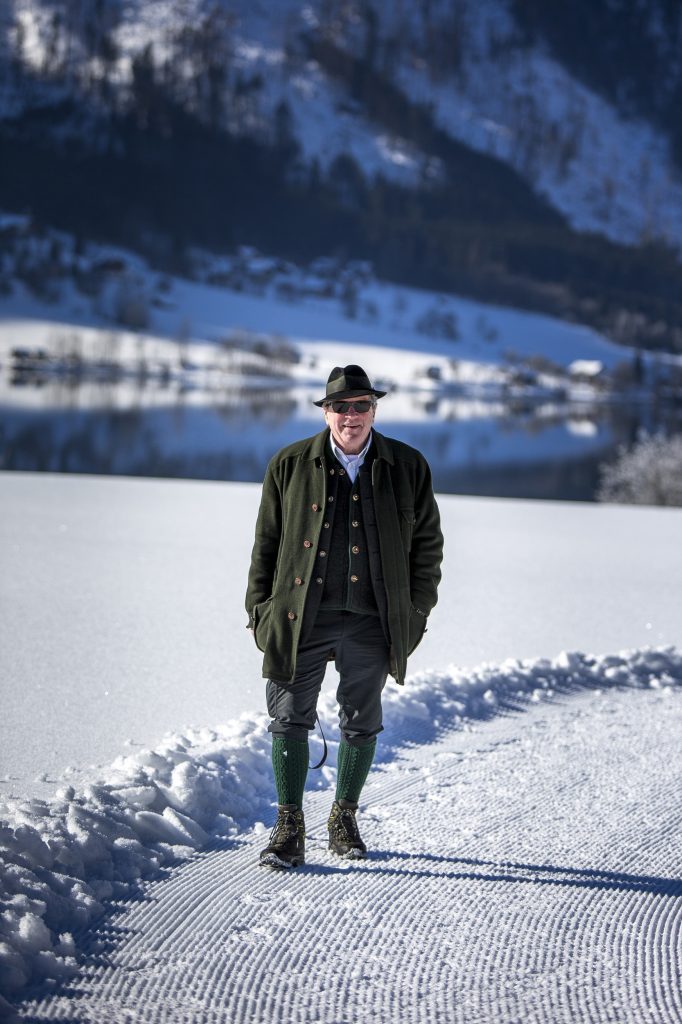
(348, 382)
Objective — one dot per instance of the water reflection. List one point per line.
(517, 447)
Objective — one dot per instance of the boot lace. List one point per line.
(345, 826)
(288, 824)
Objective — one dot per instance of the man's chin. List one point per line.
(353, 442)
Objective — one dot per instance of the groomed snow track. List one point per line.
(526, 870)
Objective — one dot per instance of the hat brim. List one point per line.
(339, 396)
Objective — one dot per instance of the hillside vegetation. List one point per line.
(179, 139)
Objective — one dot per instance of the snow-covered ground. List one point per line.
(122, 604)
(524, 870)
(196, 312)
(524, 865)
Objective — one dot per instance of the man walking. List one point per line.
(345, 567)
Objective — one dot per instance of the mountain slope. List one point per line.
(451, 145)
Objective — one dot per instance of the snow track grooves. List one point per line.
(526, 871)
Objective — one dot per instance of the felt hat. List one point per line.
(348, 382)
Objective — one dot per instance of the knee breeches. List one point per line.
(358, 647)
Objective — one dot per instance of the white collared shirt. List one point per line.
(351, 463)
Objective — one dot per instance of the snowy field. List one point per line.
(123, 615)
(524, 835)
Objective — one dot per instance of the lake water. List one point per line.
(520, 448)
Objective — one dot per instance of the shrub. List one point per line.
(650, 473)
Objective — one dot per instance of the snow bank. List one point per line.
(63, 859)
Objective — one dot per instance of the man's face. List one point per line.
(350, 430)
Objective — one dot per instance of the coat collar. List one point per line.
(318, 445)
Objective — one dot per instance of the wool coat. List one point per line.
(288, 538)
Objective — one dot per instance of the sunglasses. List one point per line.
(347, 406)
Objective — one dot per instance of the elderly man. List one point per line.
(345, 567)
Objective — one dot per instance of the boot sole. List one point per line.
(271, 860)
(352, 854)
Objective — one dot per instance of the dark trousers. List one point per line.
(360, 652)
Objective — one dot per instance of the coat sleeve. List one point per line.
(266, 545)
(426, 553)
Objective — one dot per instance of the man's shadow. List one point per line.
(456, 868)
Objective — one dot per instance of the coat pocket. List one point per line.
(261, 620)
(416, 629)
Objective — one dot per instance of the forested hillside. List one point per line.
(506, 151)
(639, 46)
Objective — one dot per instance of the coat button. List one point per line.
(291, 615)
(326, 525)
(342, 472)
(355, 523)
(355, 549)
(314, 507)
(319, 580)
(307, 543)
(298, 581)
(330, 499)
(331, 472)
(356, 497)
(323, 554)
(354, 579)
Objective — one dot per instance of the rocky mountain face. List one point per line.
(522, 152)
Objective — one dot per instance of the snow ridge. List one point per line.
(63, 858)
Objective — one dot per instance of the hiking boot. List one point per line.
(344, 835)
(286, 848)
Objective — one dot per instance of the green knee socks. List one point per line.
(354, 764)
(290, 765)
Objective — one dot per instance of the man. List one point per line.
(345, 567)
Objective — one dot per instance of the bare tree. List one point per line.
(650, 473)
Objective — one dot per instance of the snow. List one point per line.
(605, 172)
(519, 817)
(525, 109)
(204, 314)
(145, 579)
(585, 367)
(67, 855)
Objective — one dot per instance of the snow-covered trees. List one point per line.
(650, 473)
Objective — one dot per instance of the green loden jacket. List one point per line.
(288, 534)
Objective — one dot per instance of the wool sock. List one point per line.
(354, 764)
(290, 765)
